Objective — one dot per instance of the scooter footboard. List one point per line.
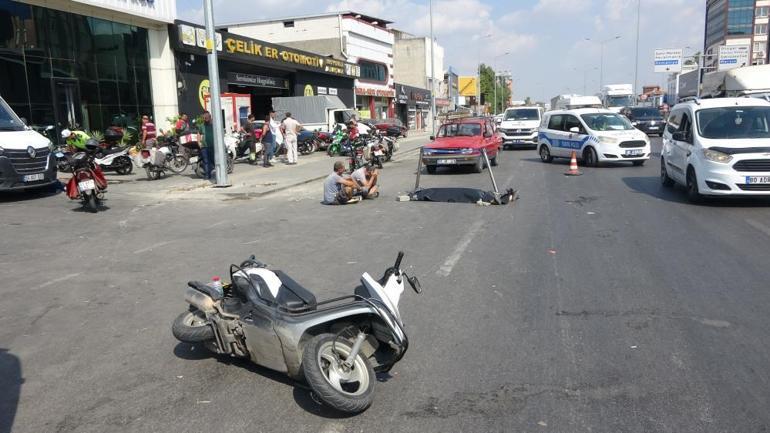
(386, 345)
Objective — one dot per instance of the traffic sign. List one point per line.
(733, 56)
(668, 60)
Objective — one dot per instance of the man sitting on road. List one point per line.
(366, 181)
(338, 189)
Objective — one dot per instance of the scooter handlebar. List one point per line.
(398, 260)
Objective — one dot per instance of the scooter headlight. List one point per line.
(716, 156)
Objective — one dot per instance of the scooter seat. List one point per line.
(293, 295)
(203, 287)
(111, 150)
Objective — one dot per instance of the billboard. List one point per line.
(468, 86)
(733, 56)
(668, 60)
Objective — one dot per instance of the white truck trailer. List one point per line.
(751, 81)
(617, 96)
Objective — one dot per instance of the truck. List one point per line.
(617, 96)
(753, 81)
(321, 112)
(570, 102)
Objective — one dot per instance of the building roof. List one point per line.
(368, 18)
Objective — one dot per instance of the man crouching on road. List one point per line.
(338, 189)
(366, 181)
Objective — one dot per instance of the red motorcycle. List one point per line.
(88, 182)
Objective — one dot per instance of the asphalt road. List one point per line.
(599, 303)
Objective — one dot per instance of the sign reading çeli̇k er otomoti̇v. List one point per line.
(241, 47)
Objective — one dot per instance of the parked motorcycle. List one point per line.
(356, 152)
(114, 159)
(87, 183)
(156, 161)
(338, 138)
(242, 146)
(200, 170)
(306, 142)
(63, 155)
(335, 345)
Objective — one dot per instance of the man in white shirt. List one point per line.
(366, 181)
(291, 127)
(275, 131)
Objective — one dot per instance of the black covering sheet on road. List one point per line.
(462, 195)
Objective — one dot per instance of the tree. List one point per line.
(488, 89)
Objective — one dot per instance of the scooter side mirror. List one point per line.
(415, 283)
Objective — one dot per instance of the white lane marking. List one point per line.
(452, 260)
(759, 226)
(252, 242)
(57, 280)
(151, 247)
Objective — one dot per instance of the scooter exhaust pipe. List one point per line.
(199, 300)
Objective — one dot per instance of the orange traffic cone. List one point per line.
(573, 168)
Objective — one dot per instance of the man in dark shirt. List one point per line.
(207, 150)
(248, 128)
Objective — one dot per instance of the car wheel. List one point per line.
(493, 161)
(693, 194)
(664, 179)
(589, 157)
(545, 154)
(431, 169)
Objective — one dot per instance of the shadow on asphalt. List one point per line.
(302, 394)
(565, 162)
(651, 186)
(10, 384)
(32, 194)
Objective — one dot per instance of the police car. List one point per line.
(595, 134)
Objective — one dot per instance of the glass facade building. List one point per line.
(65, 69)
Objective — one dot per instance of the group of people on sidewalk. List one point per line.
(272, 136)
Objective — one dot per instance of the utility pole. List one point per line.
(636, 59)
(214, 92)
(432, 74)
(601, 61)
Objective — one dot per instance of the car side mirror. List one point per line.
(432, 137)
(574, 130)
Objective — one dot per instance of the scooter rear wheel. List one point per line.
(191, 327)
(350, 391)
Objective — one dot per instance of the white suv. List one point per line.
(594, 134)
(718, 147)
(519, 126)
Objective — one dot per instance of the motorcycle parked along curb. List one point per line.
(115, 159)
(87, 182)
(336, 345)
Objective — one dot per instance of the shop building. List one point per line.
(87, 63)
(737, 22)
(256, 68)
(413, 58)
(353, 37)
(413, 106)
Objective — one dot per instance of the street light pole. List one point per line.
(601, 61)
(494, 81)
(432, 74)
(636, 59)
(214, 96)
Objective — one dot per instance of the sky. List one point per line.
(545, 40)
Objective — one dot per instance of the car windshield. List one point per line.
(606, 122)
(734, 122)
(8, 119)
(645, 112)
(460, 130)
(620, 101)
(522, 114)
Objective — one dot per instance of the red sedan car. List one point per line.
(391, 127)
(459, 142)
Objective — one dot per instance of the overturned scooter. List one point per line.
(336, 345)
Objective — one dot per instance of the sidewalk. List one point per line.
(247, 181)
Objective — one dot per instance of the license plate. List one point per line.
(637, 152)
(446, 161)
(757, 179)
(653, 127)
(86, 185)
(34, 177)
(517, 141)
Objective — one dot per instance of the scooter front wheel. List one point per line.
(349, 390)
(192, 327)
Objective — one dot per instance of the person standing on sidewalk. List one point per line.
(207, 145)
(267, 140)
(248, 129)
(291, 127)
(149, 133)
(275, 130)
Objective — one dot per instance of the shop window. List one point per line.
(760, 29)
(372, 71)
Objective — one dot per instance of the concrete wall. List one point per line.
(162, 76)
(409, 62)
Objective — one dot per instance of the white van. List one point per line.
(718, 147)
(519, 126)
(595, 134)
(26, 160)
